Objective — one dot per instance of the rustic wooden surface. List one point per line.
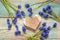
(9, 35)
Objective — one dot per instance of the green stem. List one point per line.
(34, 36)
(7, 8)
(53, 14)
(39, 3)
(43, 4)
(54, 18)
(37, 33)
(11, 5)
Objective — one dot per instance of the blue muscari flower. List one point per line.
(45, 15)
(24, 29)
(8, 21)
(44, 34)
(9, 26)
(48, 6)
(44, 24)
(29, 9)
(41, 13)
(19, 6)
(14, 20)
(49, 27)
(44, 9)
(54, 25)
(17, 32)
(46, 30)
(27, 5)
(49, 11)
(16, 27)
(40, 28)
(30, 14)
(18, 13)
(42, 38)
(43, 28)
(20, 17)
(22, 13)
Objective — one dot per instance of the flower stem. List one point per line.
(11, 5)
(7, 8)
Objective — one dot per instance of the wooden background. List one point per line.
(9, 35)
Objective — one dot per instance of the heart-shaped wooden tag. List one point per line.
(32, 23)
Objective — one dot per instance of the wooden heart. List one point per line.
(32, 23)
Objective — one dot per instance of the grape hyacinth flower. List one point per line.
(30, 14)
(49, 27)
(14, 21)
(17, 32)
(29, 9)
(16, 27)
(24, 29)
(44, 9)
(20, 17)
(44, 24)
(41, 38)
(54, 25)
(9, 26)
(40, 28)
(19, 6)
(18, 13)
(22, 13)
(45, 15)
(45, 30)
(44, 34)
(8, 21)
(49, 11)
(48, 7)
(27, 5)
(41, 13)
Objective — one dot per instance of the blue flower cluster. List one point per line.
(29, 9)
(45, 30)
(17, 32)
(47, 9)
(9, 25)
(19, 14)
(43, 15)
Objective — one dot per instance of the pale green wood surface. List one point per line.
(9, 35)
